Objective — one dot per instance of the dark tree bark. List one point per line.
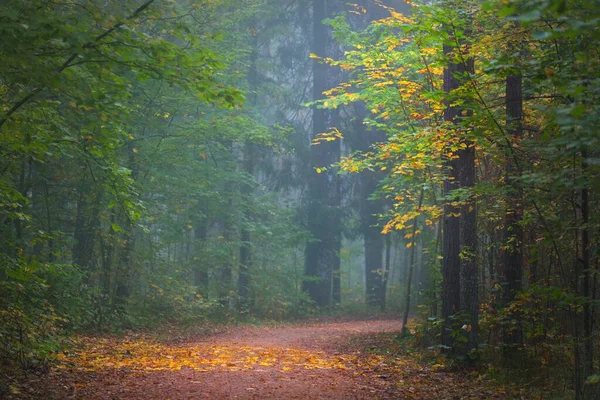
(49, 225)
(79, 236)
(376, 272)
(375, 275)
(512, 263)
(469, 276)
(200, 236)
(245, 236)
(459, 266)
(84, 233)
(127, 258)
(588, 312)
(370, 209)
(226, 271)
(387, 268)
(247, 189)
(322, 258)
(451, 226)
(411, 267)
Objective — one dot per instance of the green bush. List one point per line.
(38, 301)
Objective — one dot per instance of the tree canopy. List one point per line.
(210, 161)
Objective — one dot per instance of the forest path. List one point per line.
(296, 361)
(316, 360)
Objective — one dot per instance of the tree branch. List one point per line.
(68, 62)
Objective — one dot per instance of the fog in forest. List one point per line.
(304, 199)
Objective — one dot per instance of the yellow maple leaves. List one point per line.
(401, 221)
(97, 354)
(330, 136)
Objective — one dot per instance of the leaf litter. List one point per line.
(318, 360)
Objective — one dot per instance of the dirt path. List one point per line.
(318, 360)
(313, 361)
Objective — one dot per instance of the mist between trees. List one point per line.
(177, 162)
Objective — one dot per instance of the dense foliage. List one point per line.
(176, 162)
(121, 132)
(525, 94)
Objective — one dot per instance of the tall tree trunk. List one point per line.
(127, 256)
(200, 236)
(106, 256)
(451, 226)
(49, 225)
(86, 222)
(376, 272)
(411, 266)
(322, 258)
(469, 276)
(247, 189)
(226, 272)
(23, 190)
(245, 237)
(386, 268)
(370, 209)
(374, 268)
(459, 266)
(512, 263)
(201, 226)
(588, 311)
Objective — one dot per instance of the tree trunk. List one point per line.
(322, 258)
(451, 226)
(459, 266)
(200, 236)
(512, 263)
(386, 268)
(84, 233)
(411, 266)
(469, 276)
(370, 210)
(247, 189)
(588, 312)
(127, 257)
(226, 272)
(245, 236)
(374, 271)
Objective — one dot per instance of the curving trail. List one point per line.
(308, 361)
(317, 360)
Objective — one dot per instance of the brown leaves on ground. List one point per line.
(143, 354)
(324, 360)
(416, 379)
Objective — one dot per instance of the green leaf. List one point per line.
(116, 227)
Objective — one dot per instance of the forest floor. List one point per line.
(310, 360)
